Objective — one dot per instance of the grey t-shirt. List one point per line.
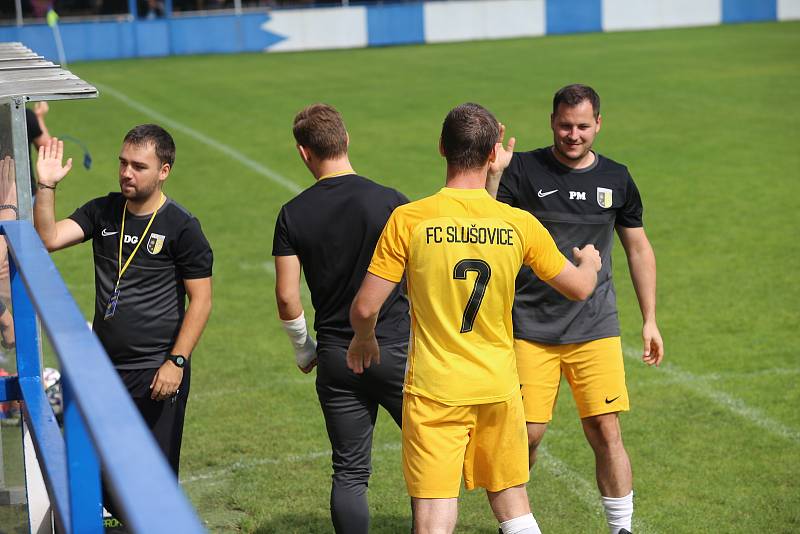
(578, 207)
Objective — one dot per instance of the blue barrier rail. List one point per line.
(102, 427)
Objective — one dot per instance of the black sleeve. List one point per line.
(401, 198)
(86, 216)
(32, 122)
(193, 258)
(281, 241)
(508, 190)
(630, 214)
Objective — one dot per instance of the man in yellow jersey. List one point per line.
(460, 251)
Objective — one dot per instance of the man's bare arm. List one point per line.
(169, 376)
(577, 282)
(642, 266)
(364, 312)
(54, 234)
(290, 311)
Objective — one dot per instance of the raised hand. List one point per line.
(8, 183)
(49, 164)
(502, 159)
(41, 108)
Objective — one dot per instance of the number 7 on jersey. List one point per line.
(484, 272)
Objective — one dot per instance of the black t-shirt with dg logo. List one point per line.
(152, 297)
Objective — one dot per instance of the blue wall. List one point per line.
(292, 29)
(148, 38)
(574, 16)
(749, 10)
(395, 24)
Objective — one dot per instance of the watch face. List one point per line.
(180, 360)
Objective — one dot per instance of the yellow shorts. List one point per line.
(488, 442)
(594, 370)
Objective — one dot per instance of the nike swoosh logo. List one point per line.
(612, 400)
(542, 195)
(106, 233)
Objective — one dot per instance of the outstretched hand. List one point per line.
(502, 157)
(49, 164)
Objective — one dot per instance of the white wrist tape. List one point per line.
(305, 348)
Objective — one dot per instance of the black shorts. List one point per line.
(163, 418)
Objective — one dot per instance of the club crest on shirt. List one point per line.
(155, 243)
(604, 197)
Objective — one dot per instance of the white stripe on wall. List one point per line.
(318, 28)
(648, 14)
(788, 9)
(470, 20)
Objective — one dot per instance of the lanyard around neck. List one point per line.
(120, 268)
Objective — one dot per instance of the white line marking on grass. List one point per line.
(263, 170)
(702, 386)
(733, 375)
(241, 392)
(241, 465)
(266, 266)
(585, 491)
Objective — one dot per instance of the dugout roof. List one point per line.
(23, 73)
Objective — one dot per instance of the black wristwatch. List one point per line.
(178, 359)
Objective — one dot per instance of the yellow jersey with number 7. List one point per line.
(461, 251)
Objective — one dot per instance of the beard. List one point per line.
(139, 194)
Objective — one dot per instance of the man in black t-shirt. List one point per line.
(149, 255)
(580, 197)
(330, 231)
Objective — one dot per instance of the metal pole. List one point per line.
(19, 12)
(237, 7)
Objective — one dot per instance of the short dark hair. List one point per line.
(574, 94)
(146, 134)
(469, 133)
(320, 127)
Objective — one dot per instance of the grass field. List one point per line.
(706, 119)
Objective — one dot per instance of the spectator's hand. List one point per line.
(41, 109)
(7, 330)
(8, 186)
(362, 353)
(49, 164)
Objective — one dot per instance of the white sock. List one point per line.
(619, 511)
(524, 524)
